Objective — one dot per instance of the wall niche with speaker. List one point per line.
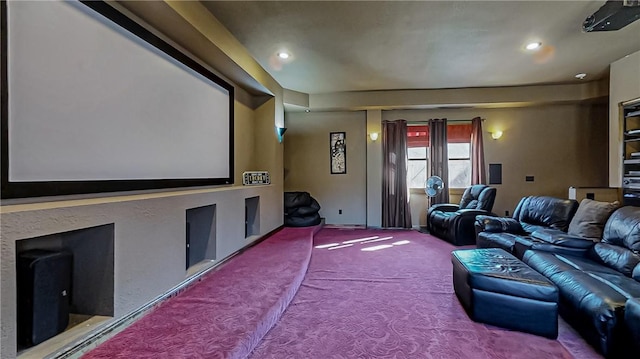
(63, 279)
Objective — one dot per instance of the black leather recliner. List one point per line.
(454, 223)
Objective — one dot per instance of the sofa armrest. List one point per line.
(485, 223)
(444, 207)
(472, 212)
(436, 209)
(524, 243)
(560, 238)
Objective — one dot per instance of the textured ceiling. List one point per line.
(386, 45)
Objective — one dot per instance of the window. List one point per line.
(459, 165)
(417, 170)
(459, 150)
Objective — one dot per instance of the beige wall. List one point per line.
(560, 145)
(306, 163)
(624, 84)
(269, 152)
(505, 98)
(244, 141)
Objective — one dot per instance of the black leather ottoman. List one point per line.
(496, 288)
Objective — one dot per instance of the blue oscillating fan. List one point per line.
(433, 186)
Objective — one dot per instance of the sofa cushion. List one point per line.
(478, 197)
(626, 286)
(547, 211)
(441, 219)
(526, 243)
(550, 264)
(616, 257)
(560, 238)
(498, 224)
(582, 287)
(600, 306)
(496, 240)
(591, 217)
(530, 228)
(623, 228)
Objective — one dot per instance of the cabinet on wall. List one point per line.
(631, 153)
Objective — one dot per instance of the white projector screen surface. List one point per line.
(88, 101)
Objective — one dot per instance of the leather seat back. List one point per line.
(623, 228)
(620, 246)
(478, 196)
(546, 211)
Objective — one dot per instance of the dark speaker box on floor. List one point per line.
(44, 287)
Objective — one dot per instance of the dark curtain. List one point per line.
(438, 156)
(478, 171)
(395, 192)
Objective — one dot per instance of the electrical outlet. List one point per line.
(506, 213)
(339, 211)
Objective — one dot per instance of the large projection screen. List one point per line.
(92, 106)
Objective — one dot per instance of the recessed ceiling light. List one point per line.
(283, 55)
(533, 45)
(581, 76)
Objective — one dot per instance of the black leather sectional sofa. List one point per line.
(598, 279)
(538, 222)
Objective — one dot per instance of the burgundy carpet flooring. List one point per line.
(228, 312)
(366, 294)
(392, 297)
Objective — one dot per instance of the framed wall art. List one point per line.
(338, 150)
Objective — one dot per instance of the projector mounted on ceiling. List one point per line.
(613, 15)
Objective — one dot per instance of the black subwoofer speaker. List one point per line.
(44, 289)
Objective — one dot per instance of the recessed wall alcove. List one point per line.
(252, 216)
(200, 235)
(92, 272)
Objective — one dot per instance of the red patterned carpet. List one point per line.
(392, 297)
(366, 294)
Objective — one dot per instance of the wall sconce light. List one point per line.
(373, 136)
(280, 133)
(496, 134)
